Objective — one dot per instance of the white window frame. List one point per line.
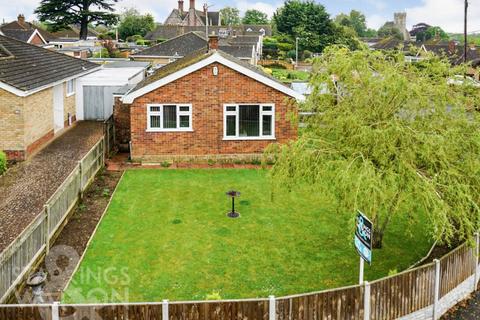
(160, 113)
(237, 121)
(72, 91)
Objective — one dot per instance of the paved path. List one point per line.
(27, 186)
(466, 310)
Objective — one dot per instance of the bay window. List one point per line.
(169, 117)
(249, 121)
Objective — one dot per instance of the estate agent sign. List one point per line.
(363, 237)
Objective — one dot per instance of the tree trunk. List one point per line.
(84, 28)
(377, 239)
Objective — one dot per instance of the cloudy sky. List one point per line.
(446, 13)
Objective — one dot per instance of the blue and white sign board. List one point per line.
(363, 237)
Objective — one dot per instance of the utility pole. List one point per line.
(205, 9)
(465, 37)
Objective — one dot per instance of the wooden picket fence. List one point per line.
(425, 292)
(19, 257)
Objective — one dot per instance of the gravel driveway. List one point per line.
(27, 186)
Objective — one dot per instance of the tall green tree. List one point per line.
(253, 16)
(389, 30)
(355, 20)
(62, 13)
(391, 138)
(133, 23)
(230, 16)
(307, 20)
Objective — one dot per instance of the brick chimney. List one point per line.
(212, 42)
(21, 19)
(180, 6)
(192, 21)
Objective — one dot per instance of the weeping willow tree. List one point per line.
(389, 137)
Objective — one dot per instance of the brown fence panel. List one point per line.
(24, 312)
(456, 267)
(112, 312)
(402, 294)
(227, 310)
(346, 303)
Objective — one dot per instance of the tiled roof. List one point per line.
(19, 34)
(181, 46)
(10, 28)
(30, 67)
(193, 58)
(190, 42)
(238, 51)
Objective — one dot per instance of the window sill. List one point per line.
(249, 138)
(169, 130)
(70, 94)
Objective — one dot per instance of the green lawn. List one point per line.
(288, 76)
(166, 236)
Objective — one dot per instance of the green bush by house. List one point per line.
(3, 162)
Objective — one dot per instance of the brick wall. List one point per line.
(11, 122)
(154, 61)
(207, 94)
(38, 115)
(121, 117)
(37, 40)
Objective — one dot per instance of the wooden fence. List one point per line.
(19, 257)
(421, 293)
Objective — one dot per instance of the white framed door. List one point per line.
(58, 116)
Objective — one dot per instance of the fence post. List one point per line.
(366, 300)
(165, 309)
(475, 258)
(80, 172)
(436, 293)
(55, 311)
(47, 236)
(272, 312)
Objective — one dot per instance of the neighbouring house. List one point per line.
(183, 45)
(207, 105)
(165, 32)
(417, 29)
(37, 95)
(27, 32)
(192, 16)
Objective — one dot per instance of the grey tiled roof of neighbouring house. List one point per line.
(193, 58)
(26, 26)
(180, 46)
(22, 35)
(186, 44)
(238, 51)
(29, 67)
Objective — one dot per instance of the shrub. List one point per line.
(165, 164)
(215, 295)
(286, 46)
(292, 54)
(3, 162)
(307, 54)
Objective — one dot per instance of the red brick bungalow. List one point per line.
(208, 105)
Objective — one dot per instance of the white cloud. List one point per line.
(445, 13)
(377, 4)
(376, 21)
(268, 8)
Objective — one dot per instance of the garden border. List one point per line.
(93, 233)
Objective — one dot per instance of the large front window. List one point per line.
(169, 117)
(249, 121)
